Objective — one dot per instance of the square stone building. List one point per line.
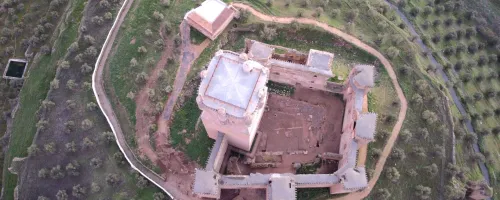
(211, 17)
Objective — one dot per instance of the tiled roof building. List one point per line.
(211, 17)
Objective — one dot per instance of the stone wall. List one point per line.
(335, 87)
(294, 77)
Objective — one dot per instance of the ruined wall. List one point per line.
(347, 126)
(294, 77)
(335, 87)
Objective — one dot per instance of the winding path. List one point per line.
(105, 105)
(453, 93)
(353, 40)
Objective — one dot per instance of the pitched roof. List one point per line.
(364, 75)
(209, 10)
(210, 17)
(365, 125)
(320, 60)
(230, 86)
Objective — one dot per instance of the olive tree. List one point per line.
(43, 173)
(432, 169)
(87, 124)
(423, 192)
(79, 191)
(95, 188)
(429, 117)
(112, 179)
(96, 163)
(56, 172)
(71, 147)
(87, 143)
(62, 195)
(392, 174)
(72, 168)
(50, 147)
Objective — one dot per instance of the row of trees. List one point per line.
(71, 147)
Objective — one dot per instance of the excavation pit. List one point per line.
(298, 128)
(15, 69)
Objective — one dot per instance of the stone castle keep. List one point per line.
(233, 96)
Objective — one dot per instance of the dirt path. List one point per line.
(168, 187)
(176, 168)
(144, 107)
(188, 55)
(353, 40)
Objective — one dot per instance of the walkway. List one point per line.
(453, 93)
(353, 40)
(188, 55)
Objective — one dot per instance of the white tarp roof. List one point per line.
(210, 9)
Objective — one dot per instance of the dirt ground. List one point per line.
(301, 127)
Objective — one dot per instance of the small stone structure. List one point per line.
(233, 97)
(293, 67)
(15, 69)
(211, 17)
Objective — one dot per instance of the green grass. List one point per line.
(34, 91)
(122, 75)
(183, 128)
(197, 37)
(204, 58)
(279, 88)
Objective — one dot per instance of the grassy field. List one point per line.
(184, 129)
(34, 91)
(132, 36)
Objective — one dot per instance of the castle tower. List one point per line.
(232, 96)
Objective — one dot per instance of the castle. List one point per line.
(233, 95)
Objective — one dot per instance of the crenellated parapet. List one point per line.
(233, 95)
